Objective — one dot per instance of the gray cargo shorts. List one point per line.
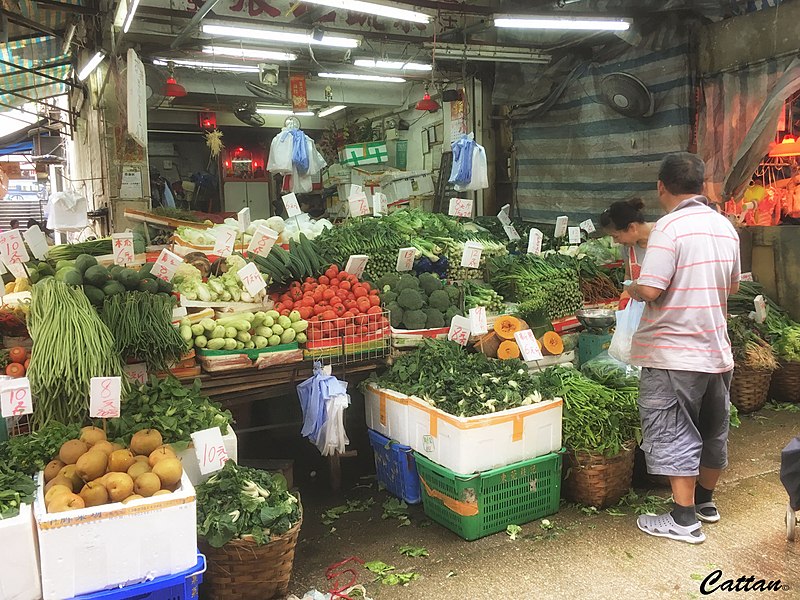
(685, 420)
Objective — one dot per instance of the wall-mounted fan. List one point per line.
(155, 80)
(246, 113)
(627, 95)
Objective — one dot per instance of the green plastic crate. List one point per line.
(477, 505)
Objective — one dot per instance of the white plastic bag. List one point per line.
(301, 184)
(480, 171)
(627, 324)
(316, 162)
(280, 154)
(333, 438)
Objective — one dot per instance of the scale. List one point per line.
(597, 337)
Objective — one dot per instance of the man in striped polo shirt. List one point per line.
(691, 266)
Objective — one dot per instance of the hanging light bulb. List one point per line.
(428, 103)
(788, 147)
(172, 88)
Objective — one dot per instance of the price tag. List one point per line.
(746, 277)
(251, 279)
(136, 372)
(477, 320)
(380, 205)
(503, 215)
(226, 238)
(291, 204)
(36, 242)
(459, 330)
(357, 200)
(574, 235)
(511, 232)
(761, 309)
(405, 259)
(561, 226)
(527, 345)
(535, 241)
(356, 264)
(244, 219)
(166, 265)
(210, 450)
(122, 244)
(262, 241)
(15, 397)
(460, 207)
(588, 226)
(471, 258)
(18, 270)
(12, 248)
(104, 397)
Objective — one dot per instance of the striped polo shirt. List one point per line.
(693, 255)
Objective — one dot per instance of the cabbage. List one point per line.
(276, 224)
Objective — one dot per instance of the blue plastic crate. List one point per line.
(181, 586)
(396, 467)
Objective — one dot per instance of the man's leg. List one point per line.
(714, 426)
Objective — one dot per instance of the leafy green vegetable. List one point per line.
(513, 531)
(611, 373)
(414, 551)
(16, 488)
(394, 508)
(30, 453)
(387, 575)
(332, 514)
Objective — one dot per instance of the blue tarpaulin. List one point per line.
(16, 148)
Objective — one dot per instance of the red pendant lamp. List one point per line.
(789, 146)
(428, 103)
(173, 89)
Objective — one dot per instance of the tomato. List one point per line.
(323, 279)
(363, 304)
(375, 300)
(359, 291)
(317, 295)
(331, 272)
(305, 312)
(361, 319)
(327, 329)
(350, 329)
(373, 292)
(374, 310)
(278, 307)
(17, 354)
(366, 285)
(328, 315)
(328, 294)
(309, 301)
(308, 287)
(345, 285)
(342, 294)
(351, 304)
(296, 293)
(319, 309)
(288, 305)
(336, 301)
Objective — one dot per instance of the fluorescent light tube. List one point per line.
(90, 66)
(562, 23)
(360, 77)
(485, 52)
(330, 110)
(251, 53)
(201, 64)
(396, 65)
(129, 17)
(283, 111)
(370, 8)
(285, 37)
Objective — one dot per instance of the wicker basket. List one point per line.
(595, 480)
(786, 383)
(242, 570)
(750, 389)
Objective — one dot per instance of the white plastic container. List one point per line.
(387, 413)
(103, 547)
(19, 569)
(402, 185)
(191, 466)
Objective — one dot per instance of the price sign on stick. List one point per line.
(244, 219)
(460, 207)
(166, 265)
(471, 257)
(210, 450)
(262, 241)
(527, 345)
(504, 215)
(251, 278)
(405, 259)
(477, 320)
(574, 235)
(136, 372)
(535, 241)
(292, 205)
(36, 242)
(12, 248)
(511, 232)
(104, 397)
(15, 398)
(226, 238)
(561, 226)
(357, 201)
(380, 205)
(459, 330)
(17, 269)
(588, 226)
(122, 245)
(356, 264)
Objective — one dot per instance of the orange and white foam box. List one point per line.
(191, 466)
(104, 547)
(19, 565)
(387, 413)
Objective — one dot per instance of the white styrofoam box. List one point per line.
(191, 466)
(537, 366)
(387, 413)
(19, 569)
(401, 185)
(471, 444)
(103, 547)
(335, 174)
(411, 338)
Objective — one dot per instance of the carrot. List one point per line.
(15, 369)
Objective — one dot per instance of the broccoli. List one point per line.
(414, 319)
(439, 300)
(389, 280)
(435, 318)
(388, 297)
(406, 282)
(451, 312)
(429, 283)
(453, 293)
(395, 314)
(410, 299)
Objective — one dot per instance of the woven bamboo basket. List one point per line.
(243, 570)
(595, 480)
(750, 389)
(786, 383)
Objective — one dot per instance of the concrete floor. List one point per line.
(584, 556)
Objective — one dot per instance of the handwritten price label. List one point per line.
(356, 264)
(262, 241)
(357, 201)
(122, 244)
(460, 207)
(36, 242)
(251, 279)
(292, 205)
(136, 372)
(527, 345)
(17, 269)
(380, 205)
(226, 238)
(511, 232)
(104, 397)
(535, 242)
(210, 450)
(166, 265)
(574, 235)
(588, 226)
(15, 398)
(12, 248)
(471, 257)
(477, 320)
(504, 215)
(405, 259)
(244, 219)
(459, 330)
(561, 226)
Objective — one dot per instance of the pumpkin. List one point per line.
(507, 350)
(506, 326)
(489, 344)
(552, 344)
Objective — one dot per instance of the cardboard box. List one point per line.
(191, 466)
(368, 153)
(402, 185)
(19, 570)
(103, 547)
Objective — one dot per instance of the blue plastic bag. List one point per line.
(314, 393)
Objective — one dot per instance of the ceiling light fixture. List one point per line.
(201, 64)
(370, 8)
(325, 112)
(90, 66)
(562, 23)
(248, 53)
(427, 103)
(129, 17)
(788, 147)
(283, 111)
(279, 36)
(479, 52)
(394, 65)
(358, 76)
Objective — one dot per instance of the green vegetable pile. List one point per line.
(610, 372)
(93, 247)
(30, 453)
(303, 259)
(169, 406)
(778, 329)
(238, 501)
(445, 376)
(422, 302)
(15, 489)
(476, 295)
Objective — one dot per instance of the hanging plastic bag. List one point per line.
(302, 183)
(323, 399)
(627, 324)
(611, 373)
(316, 162)
(280, 154)
(333, 438)
(480, 172)
(461, 171)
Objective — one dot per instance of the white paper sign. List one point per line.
(527, 345)
(574, 235)
(460, 207)
(251, 278)
(36, 242)
(535, 242)
(15, 397)
(210, 450)
(511, 232)
(380, 205)
(12, 248)
(405, 259)
(561, 226)
(104, 397)
(18, 270)
(471, 257)
(262, 241)
(588, 226)
(166, 265)
(459, 330)
(291, 204)
(244, 219)
(477, 320)
(136, 372)
(122, 245)
(357, 200)
(356, 264)
(503, 215)
(131, 183)
(226, 238)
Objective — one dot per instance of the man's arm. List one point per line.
(734, 288)
(643, 293)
